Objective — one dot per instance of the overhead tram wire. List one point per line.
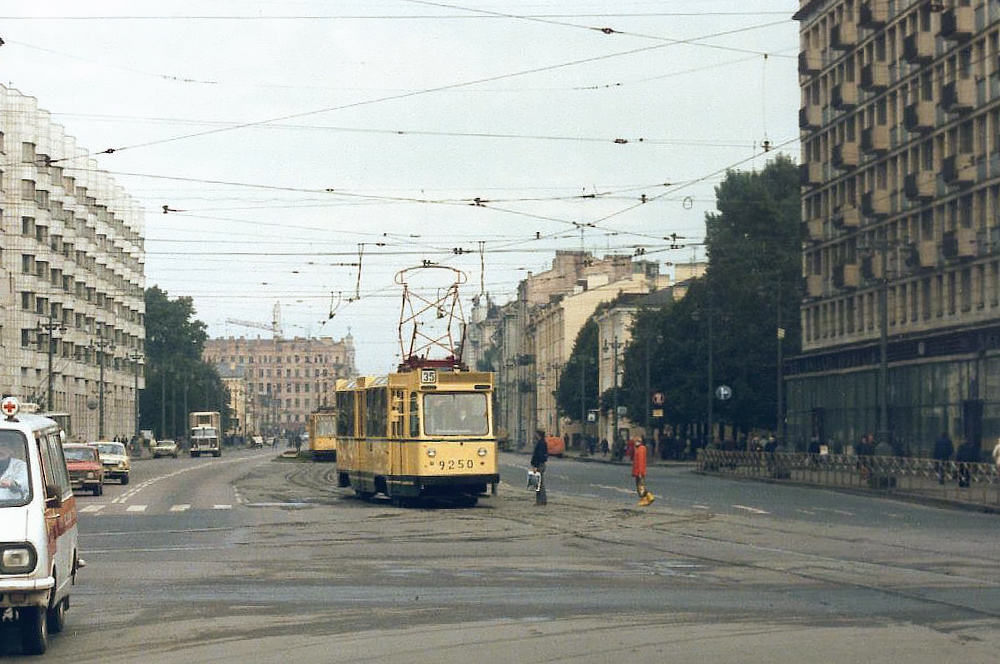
(414, 93)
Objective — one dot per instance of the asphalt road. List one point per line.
(249, 559)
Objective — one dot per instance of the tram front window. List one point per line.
(460, 414)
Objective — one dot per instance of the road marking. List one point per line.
(752, 510)
(180, 508)
(92, 508)
(136, 508)
(222, 507)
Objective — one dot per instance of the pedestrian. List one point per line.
(996, 456)
(943, 449)
(604, 447)
(965, 456)
(539, 457)
(639, 472)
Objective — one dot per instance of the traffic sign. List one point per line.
(723, 392)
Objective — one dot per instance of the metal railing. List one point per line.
(972, 483)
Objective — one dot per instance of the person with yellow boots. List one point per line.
(639, 473)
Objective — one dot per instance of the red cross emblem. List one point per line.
(9, 406)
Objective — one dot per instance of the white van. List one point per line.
(39, 553)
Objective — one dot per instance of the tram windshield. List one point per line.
(455, 414)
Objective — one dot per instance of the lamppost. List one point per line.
(614, 346)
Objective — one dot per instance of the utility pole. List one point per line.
(50, 329)
(102, 345)
(136, 358)
(883, 343)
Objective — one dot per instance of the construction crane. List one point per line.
(274, 326)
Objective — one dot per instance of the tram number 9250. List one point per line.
(455, 464)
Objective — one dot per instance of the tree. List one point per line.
(751, 285)
(177, 379)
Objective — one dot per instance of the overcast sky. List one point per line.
(293, 140)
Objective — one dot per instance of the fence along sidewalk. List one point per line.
(975, 484)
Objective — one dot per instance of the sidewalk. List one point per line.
(907, 485)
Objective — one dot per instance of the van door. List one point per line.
(61, 520)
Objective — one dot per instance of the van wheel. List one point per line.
(57, 616)
(99, 489)
(34, 630)
(124, 480)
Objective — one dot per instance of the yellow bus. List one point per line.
(424, 432)
(323, 434)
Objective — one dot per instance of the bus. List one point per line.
(425, 432)
(323, 434)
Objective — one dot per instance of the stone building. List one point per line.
(72, 302)
(900, 135)
(284, 379)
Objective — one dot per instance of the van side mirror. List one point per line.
(53, 496)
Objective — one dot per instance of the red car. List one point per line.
(85, 469)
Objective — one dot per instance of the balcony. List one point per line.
(959, 170)
(919, 116)
(875, 139)
(871, 266)
(920, 186)
(814, 285)
(845, 155)
(959, 243)
(810, 117)
(844, 96)
(918, 48)
(873, 13)
(875, 203)
(924, 254)
(959, 96)
(874, 77)
(847, 216)
(958, 23)
(844, 36)
(847, 275)
(814, 230)
(810, 61)
(811, 174)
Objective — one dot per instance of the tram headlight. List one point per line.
(431, 452)
(482, 451)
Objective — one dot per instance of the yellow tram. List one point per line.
(423, 432)
(323, 434)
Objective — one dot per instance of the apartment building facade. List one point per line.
(900, 137)
(284, 379)
(72, 256)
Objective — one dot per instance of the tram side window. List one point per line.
(414, 416)
(455, 414)
(345, 413)
(375, 416)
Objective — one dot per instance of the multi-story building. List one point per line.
(71, 301)
(285, 379)
(554, 329)
(900, 131)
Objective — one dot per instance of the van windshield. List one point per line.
(15, 484)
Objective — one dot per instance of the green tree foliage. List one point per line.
(751, 286)
(177, 380)
(578, 382)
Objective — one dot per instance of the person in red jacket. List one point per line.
(639, 473)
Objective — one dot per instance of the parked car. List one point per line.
(115, 459)
(165, 448)
(85, 469)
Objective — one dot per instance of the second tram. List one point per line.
(323, 434)
(423, 432)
